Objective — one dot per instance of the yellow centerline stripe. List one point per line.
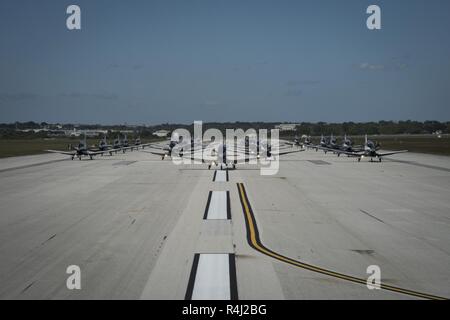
(256, 243)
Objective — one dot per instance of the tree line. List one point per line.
(13, 130)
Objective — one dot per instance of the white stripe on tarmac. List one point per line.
(217, 206)
(221, 176)
(212, 281)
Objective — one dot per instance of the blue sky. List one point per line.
(147, 62)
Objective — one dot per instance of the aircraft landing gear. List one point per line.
(379, 159)
(359, 159)
(73, 157)
(209, 167)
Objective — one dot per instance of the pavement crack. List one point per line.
(372, 216)
(364, 252)
(48, 239)
(27, 287)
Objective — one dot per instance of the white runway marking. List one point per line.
(221, 176)
(213, 277)
(212, 281)
(218, 206)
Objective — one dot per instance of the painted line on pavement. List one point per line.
(218, 206)
(255, 242)
(213, 277)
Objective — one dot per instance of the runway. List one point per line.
(135, 224)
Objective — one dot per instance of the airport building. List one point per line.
(287, 126)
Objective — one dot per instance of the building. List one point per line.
(161, 133)
(287, 126)
(88, 133)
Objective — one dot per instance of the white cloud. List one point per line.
(369, 66)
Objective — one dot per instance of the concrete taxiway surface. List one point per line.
(134, 224)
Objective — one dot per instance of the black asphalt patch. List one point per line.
(123, 163)
(365, 252)
(32, 165)
(413, 163)
(319, 162)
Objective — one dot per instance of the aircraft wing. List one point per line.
(350, 153)
(358, 149)
(156, 146)
(97, 152)
(69, 153)
(391, 153)
(318, 146)
(162, 154)
(327, 149)
(143, 145)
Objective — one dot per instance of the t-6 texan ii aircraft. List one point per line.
(103, 145)
(228, 158)
(370, 150)
(327, 144)
(306, 143)
(331, 144)
(138, 144)
(82, 150)
(166, 150)
(183, 148)
(121, 145)
(221, 155)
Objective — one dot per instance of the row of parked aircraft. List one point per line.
(226, 158)
(219, 154)
(120, 144)
(370, 149)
